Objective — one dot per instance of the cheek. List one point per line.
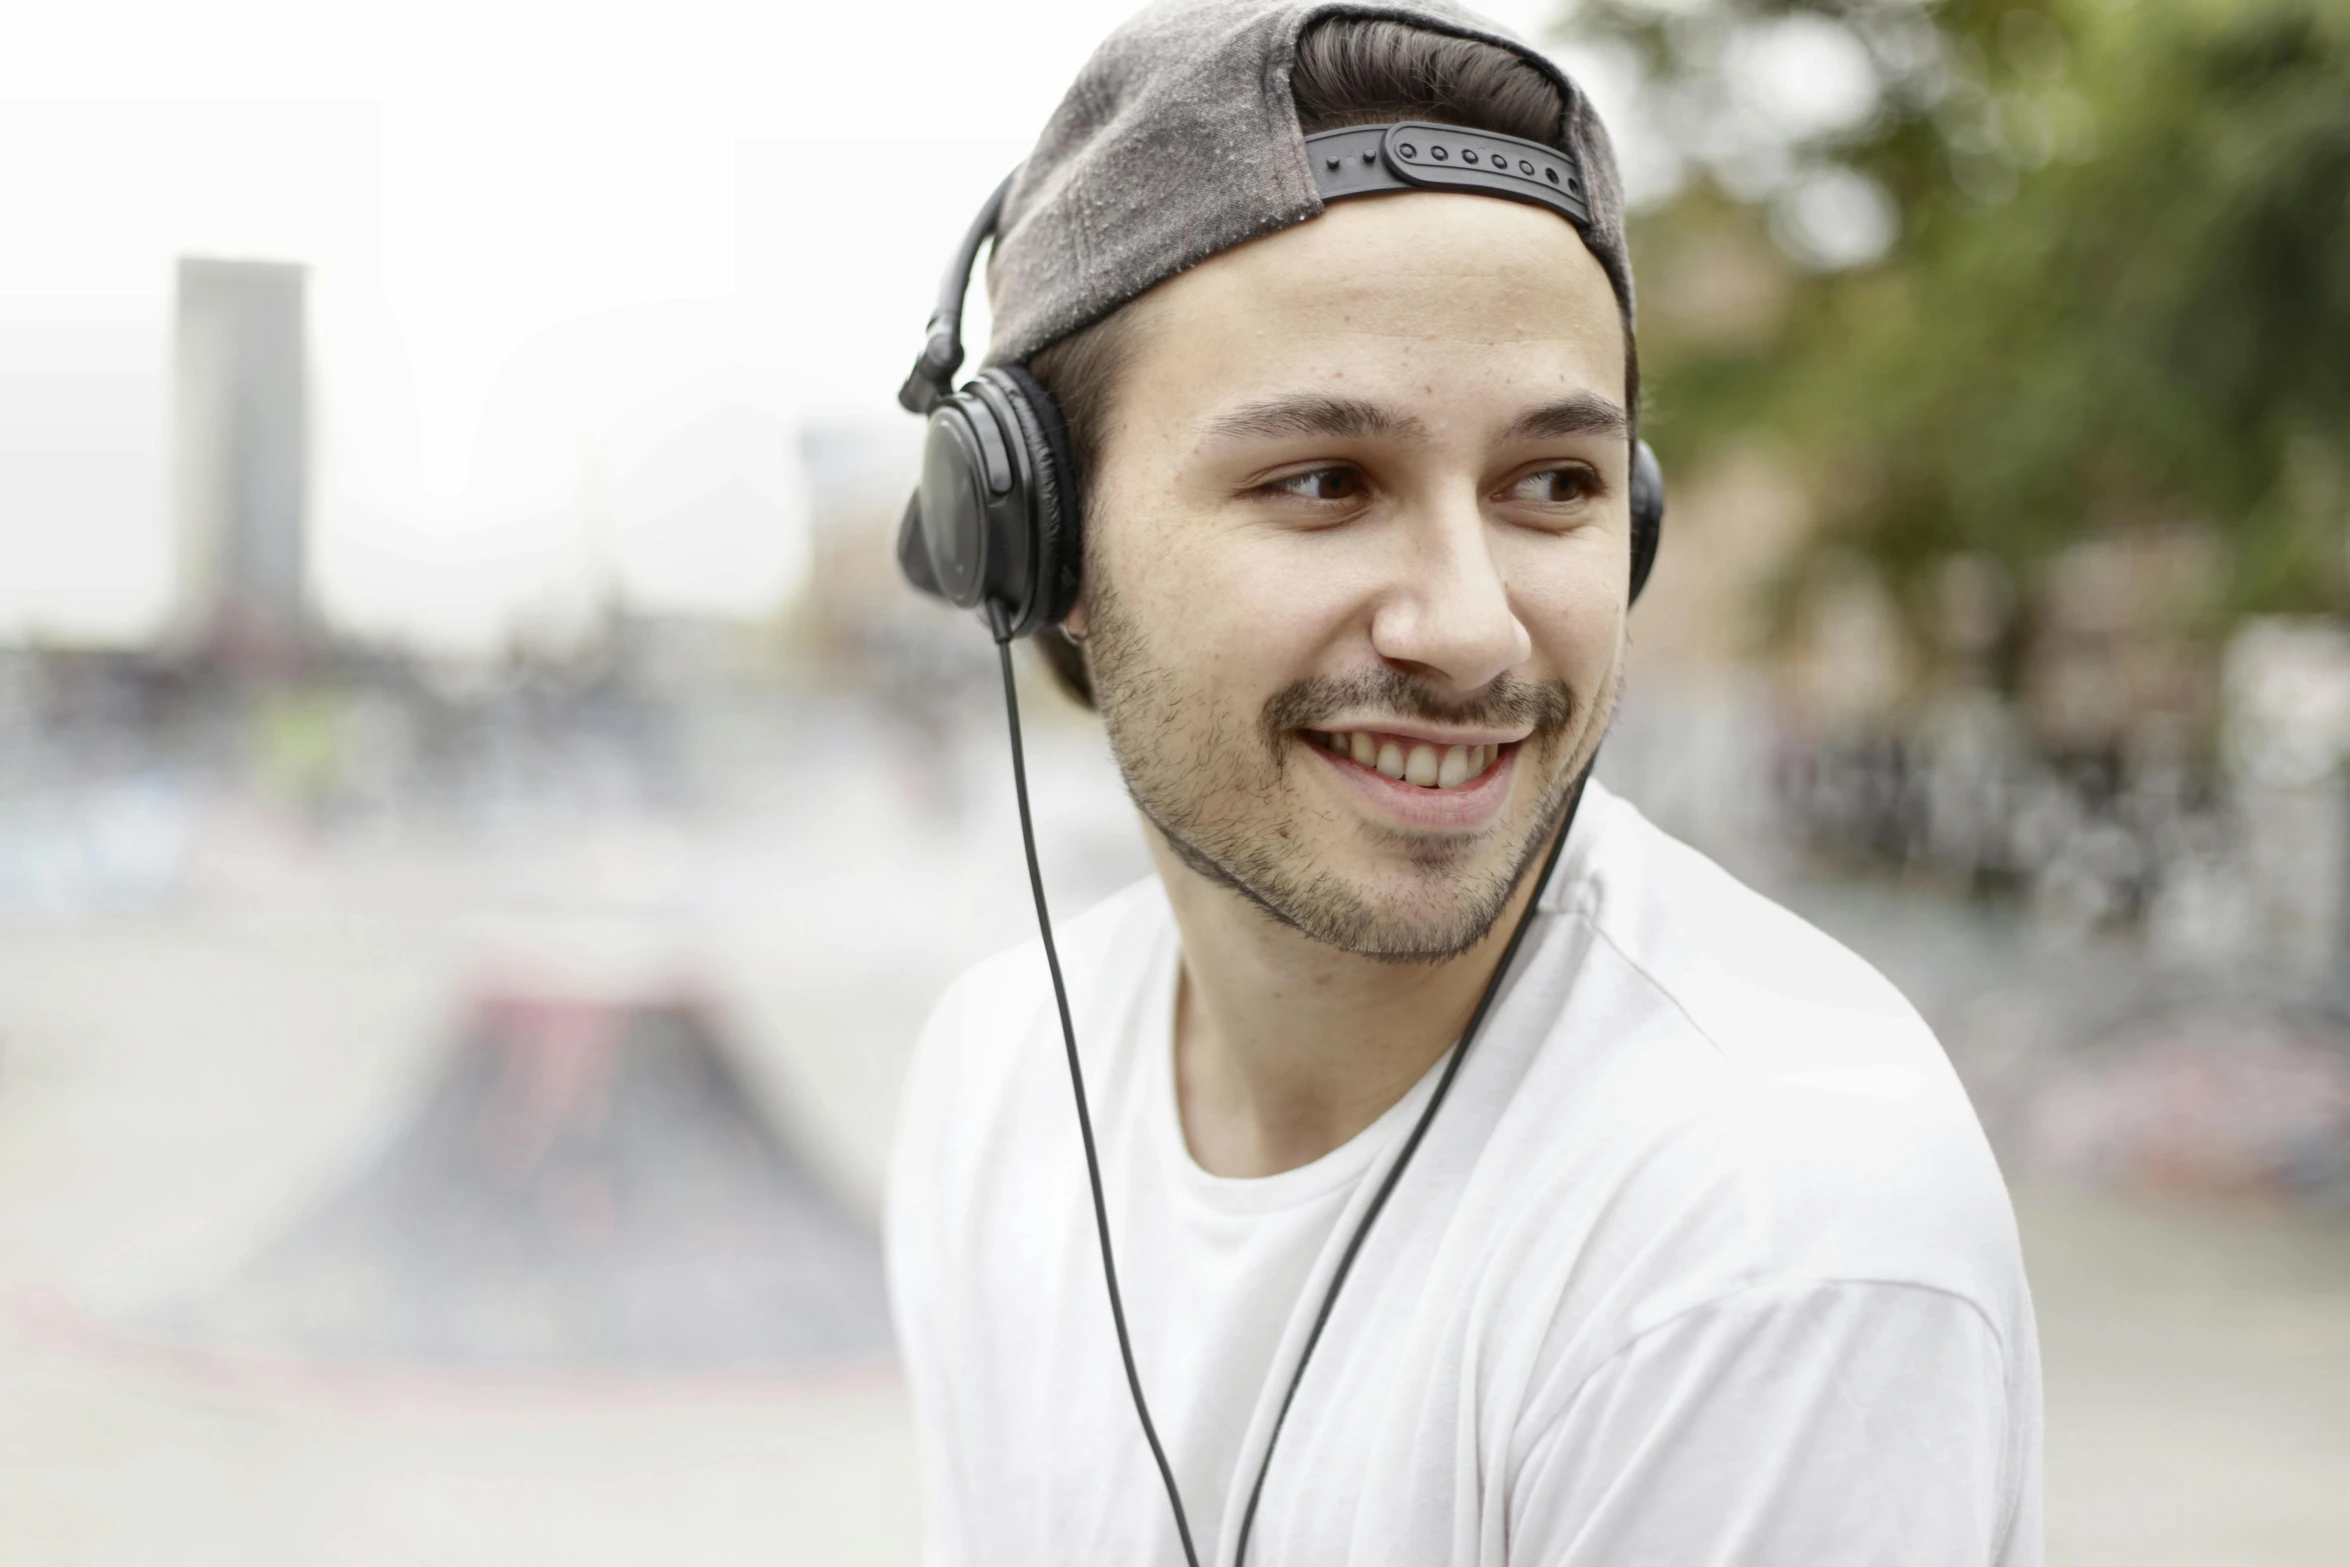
(1573, 608)
(1247, 612)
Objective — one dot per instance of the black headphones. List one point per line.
(994, 527)
(995, 521)
(995, 518)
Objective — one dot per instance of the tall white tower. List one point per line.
(243, 457)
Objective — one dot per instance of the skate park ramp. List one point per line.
(586, 1184)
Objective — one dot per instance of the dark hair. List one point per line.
(1349, 71)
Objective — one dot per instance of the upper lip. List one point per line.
(1423, 734)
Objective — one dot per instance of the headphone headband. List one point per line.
(933, 375)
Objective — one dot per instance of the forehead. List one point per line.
(1438, 302)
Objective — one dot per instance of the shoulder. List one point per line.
(1803, 1123)
(984, 1036)
(1772, 993)
(1000, 994)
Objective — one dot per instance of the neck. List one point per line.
(1285, 1048)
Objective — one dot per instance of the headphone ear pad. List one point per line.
(914, 551)
(1648, 513)
(1055, 540)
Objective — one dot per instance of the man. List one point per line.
(1704, 1259)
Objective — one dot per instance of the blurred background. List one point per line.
(480, 821)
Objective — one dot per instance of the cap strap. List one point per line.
(1367, 160)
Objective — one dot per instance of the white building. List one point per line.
(242, 456)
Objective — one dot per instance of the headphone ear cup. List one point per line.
(1648, 513)
(946, 542)
(1055, 539)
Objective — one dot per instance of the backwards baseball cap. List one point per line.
(1180, 139)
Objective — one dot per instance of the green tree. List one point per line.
(2054, 268)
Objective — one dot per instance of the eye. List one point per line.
(1322, 484)
(1555, 486)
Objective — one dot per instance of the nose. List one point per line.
(1448, 616)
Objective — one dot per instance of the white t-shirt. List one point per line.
(1704, 1261)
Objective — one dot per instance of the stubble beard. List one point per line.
(1217, 790)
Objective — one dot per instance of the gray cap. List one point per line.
(1180, 139)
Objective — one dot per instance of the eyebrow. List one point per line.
(1585, 413)
(1354, 419)
(1341, 418)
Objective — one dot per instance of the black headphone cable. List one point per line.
(1000, 623)
(1354, 1247)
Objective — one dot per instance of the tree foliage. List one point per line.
(2114, 289)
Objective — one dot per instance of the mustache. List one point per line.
(1509, 702)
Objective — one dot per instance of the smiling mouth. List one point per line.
(1416, 762)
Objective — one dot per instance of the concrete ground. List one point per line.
(177, 1083)
(2197, 1366)
(178, 1086)
(102, 1464)
(2198, 1376)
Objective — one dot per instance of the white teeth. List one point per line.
(1428, 766)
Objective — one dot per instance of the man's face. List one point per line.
(1358, 558)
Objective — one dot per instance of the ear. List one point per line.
(1074, 622)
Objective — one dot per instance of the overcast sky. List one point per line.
(578, 271)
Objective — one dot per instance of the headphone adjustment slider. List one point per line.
(933, 374)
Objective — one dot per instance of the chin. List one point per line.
(1437, 904)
